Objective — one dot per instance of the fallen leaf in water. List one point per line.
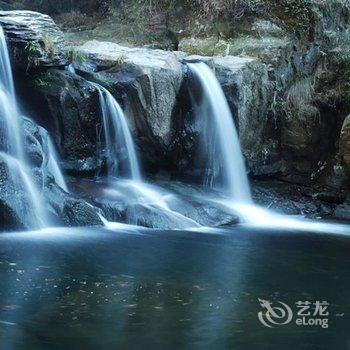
(10, 307)
(198, 287)
(8, 323)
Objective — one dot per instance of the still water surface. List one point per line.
(98, 289)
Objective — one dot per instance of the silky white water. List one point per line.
(12, 134)
(220, 137)
(10, 117)
(52, 164)
(21, 175)
(121, 154)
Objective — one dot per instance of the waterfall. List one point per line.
(220, 137)
(121, 153)
(52, 164)
(122, 160)
(21, 176)
(12, 134)
(10, 117)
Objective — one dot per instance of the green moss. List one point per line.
(240, 46)
(33, 49)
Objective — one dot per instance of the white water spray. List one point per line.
(12, 135)
(10, 117)
(52, 164)
(121, 156)
(21, 176)
(121, 153)
(221, 138)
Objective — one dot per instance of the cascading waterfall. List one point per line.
(220, 136)
(12, 135)
(222, 144)
(11, 120)
(122, 160)
(52, 164)
(21, 176)
(121, 153)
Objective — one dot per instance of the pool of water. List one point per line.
(129, 289)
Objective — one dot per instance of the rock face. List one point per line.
(247, 88)
(344, 144)
(63, 208)
(152, 87)
(68, 106)
(288, 124)
(146, 82)
(34, 39)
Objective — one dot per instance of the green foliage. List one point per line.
(33, 49)
(74, 55)
(61, 6)
(41, 82)
(49, 45)
(121, 59)
(338, 44)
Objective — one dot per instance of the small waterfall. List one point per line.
(222, 146)
(52, 164)
(122, 158)
(20, 175)
(71, 69)
(121, 153)
(10, 117)
(11, 130)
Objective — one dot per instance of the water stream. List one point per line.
(53, 166)
(123, 164)
(21, 177)
(11, 132)
(221, 139)
(121, 154)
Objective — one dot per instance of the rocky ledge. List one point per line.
(289, 128)
(34, 39)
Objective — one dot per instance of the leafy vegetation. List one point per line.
(297, 16)
(74, 55)
(49, 46)
(33, 49)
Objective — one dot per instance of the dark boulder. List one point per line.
(35, 41)
(68, 106)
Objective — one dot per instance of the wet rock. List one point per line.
(342, 211)
(69, 107)
(247, 88)
(265, 28)
(332, 197)
(34, 39)
(79, 213)
(187, 205)
(16, 208)
(291, 199)
(9, 221)
(146, 83)
(5, 6)
(196, 203)
(344, 144)
(150, 217)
